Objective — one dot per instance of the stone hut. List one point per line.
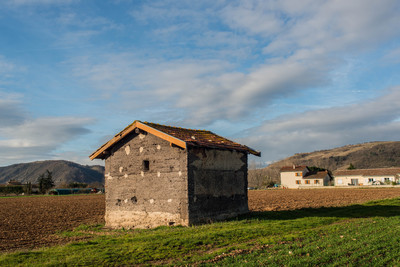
(162, 175)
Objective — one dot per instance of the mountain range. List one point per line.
(63, 172)
(361, 156)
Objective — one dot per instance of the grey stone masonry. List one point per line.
(162, 175)
(217, 184)
(146, 196)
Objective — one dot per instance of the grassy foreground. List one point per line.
(367, 234)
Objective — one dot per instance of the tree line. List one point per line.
(45, 182)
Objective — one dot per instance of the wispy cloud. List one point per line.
(7, 69)
(337, 26)
(302, 48)
(39, 138)
(226, 64)
(24, 138)
(207, 89)
(376, 119)
(254, 17)
(11, 111)
(38, 2)
(392, 57)
(79, 29)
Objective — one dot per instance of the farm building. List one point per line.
(162, 175)
(301, 176)
(367, 177)
(13, 182)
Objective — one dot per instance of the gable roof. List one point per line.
(181, 137)
(368, 172)
(318, 175)
(294, 168)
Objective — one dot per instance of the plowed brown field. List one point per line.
(290, 199)
(29, 222)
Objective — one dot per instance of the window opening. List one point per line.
(354, 181)
(146, 165)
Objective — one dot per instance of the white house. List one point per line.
(301, 176)
(365, 177)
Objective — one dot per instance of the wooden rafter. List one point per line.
(137, 124)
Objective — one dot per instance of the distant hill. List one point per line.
(63, 172)
(362, 156)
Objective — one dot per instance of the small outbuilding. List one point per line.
(163, 175)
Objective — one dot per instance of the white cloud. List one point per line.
(7, 69)
(11, 112)
(255, 17)
(77, 29)
(392, 56)
(5, 66)
(39, 2)
(109, 73)
(74, 19)
(204, 63)
(44, 132)
(334, 26)
(23, 138)
(304, 45)
(73, 38)
(167, 12)
(187, 28)
(206, 89)
(373, 120)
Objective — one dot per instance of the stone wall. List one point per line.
(217, 184)
(146, 183)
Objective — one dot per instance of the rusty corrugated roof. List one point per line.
(179, 136)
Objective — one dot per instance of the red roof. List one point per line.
(368, 172)
(318, 175)
(179, 136)
(293, 168)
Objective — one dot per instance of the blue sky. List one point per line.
(280, 76)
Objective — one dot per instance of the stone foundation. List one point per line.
(142, 219)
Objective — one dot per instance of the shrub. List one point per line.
(351, 167)
(269, 184)
(11, 189)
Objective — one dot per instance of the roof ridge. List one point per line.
(177, 127)
(179, 136)
(383, 168)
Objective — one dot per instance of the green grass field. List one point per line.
(366, 235)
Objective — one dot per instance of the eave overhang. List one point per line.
(101, 153)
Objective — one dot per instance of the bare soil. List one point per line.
(291, 199)
(31, 222)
